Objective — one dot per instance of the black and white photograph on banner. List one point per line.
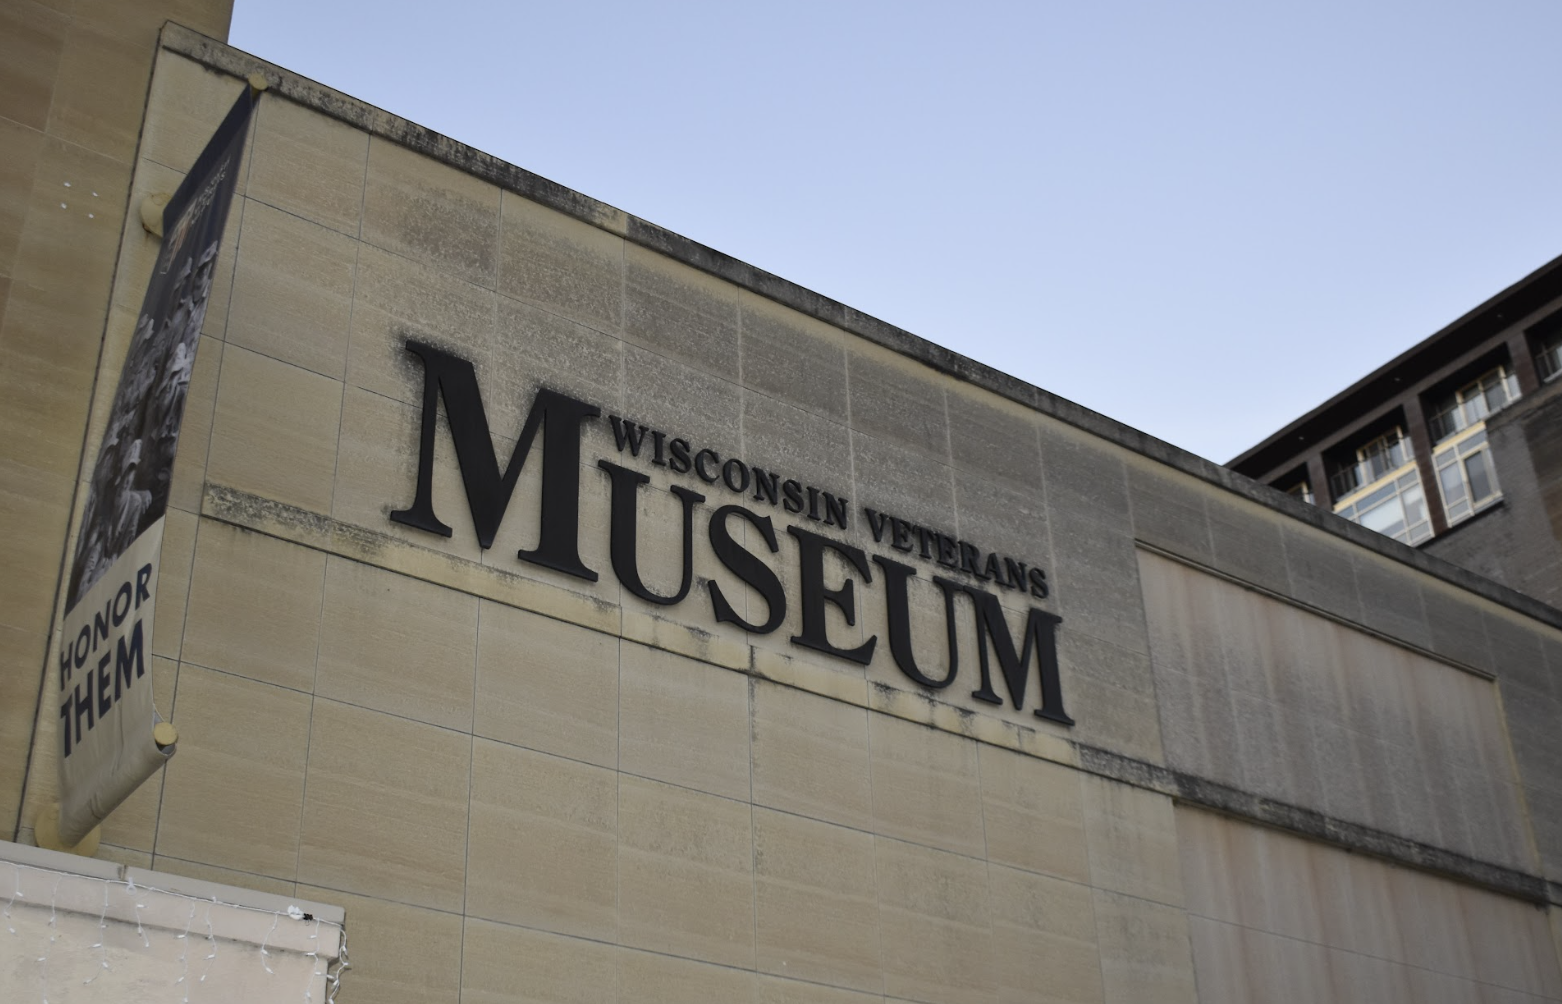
(130, 482)
(108, 720)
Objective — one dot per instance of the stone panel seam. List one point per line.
(1188, 789)
(223, 58)
(240, 509)
(1319, 611)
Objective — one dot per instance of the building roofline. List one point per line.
(1360, 397)
(221, 57)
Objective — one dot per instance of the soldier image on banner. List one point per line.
(110, 739)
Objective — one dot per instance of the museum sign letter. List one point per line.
(452, 381)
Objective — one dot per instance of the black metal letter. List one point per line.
(487, 490)
(898, 603)
(811, 548)
(625, 530)
(1039, 635)
(745, 566)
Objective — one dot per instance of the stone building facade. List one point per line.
(596, 617)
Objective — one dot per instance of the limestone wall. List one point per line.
(563, 780)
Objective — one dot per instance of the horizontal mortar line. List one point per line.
(223, 58)
(232, 506)
(1199, 792)
(1292, 601)
(752, 802)
(334, 537)
(1351, 951)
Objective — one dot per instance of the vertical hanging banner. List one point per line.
(106, 716)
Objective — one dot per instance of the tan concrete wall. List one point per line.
(524, 786)
(1274, 699)
(1276, 918)
(73, 81)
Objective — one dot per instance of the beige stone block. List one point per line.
(1276, 891)
(32, 39)
(1435, 935)
(1510, 944)
(1204, 844)
(1145, 953)
(34, 506)
(792, 357)
(308, 164)
(816, 902)
(400, 954)
(934, 924)
(774, 990)
(1132, 841)
(677, 311)
(186, 105)
(1219, 961)
(685, 873)
(534, 347)
(45, 356)
(127, 856)
(898, 399)
(1044, 938)
(430, 212)
(377, 472)
(1427, 987)
(21, 674)
(811, 756)
(233, 793)
(1278, 968)
(228, 876)
(173, 581)
(542, 850)
(386, 808)
(255, 606)
(293, 290)
(562, 264)
(511, 965)
(99, 93)
(1356, 904)
(1354, 977)
(398, 298)
(195, 432)
(926, 786)
(275, 430)
(397, 644)
(23, 147)
(646, 978)
(683, 722)
(69, 238)
(547, 684)
(1033, 814)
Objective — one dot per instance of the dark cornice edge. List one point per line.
(224, 58)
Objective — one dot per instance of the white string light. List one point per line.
(16, 874)
(102, 936)
(275, 919)
(184, 954)
(313, 955)
(54, 933)
(331, 972)
(211, 940)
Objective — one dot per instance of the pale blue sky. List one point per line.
(1200, 218)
